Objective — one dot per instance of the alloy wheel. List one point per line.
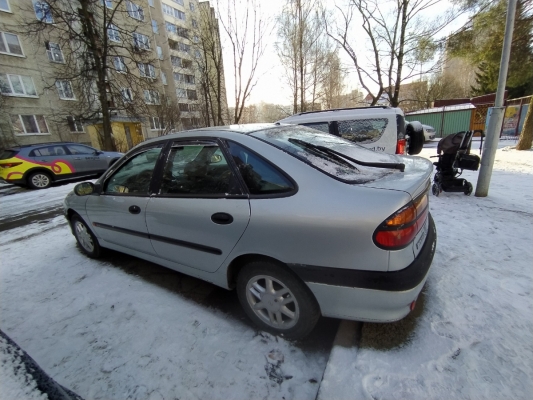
(83, 236)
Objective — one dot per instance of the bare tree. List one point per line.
(400, 38)
(245, 29)
(209, 62)
(526, 136)
(166, 116)
(104, 54)
(333, 82)
(7, 136)
(305, 52)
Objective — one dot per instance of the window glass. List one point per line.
(4, 5)
(29, 123)
(43, 128)
(48, 151)
(12, 43)
(293, 140)
(16, 84)
(362, 130)
(197, 169)
(135, 175)
(28, 85)
(260, 176)
(77, 149)
(321, 126)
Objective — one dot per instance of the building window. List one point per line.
(179, 14)
(54, 52)
(119, 64)
(184, 47)
(194, 23)
(196, 39)
(146, 70)
(141, 41)
(155, 124)
(74, 124)
(17, 85)
(159, 52)
(135, 11)
(4, 5)
(64, 88)
(191, 6)
(181, 93)
(184, 107)
(184, 78)
(108, 3)
(186, 63)
(10, 44)
(164, 78)
(155, 26)
(29, 124)
(184, 33)
(151, 97)
(113, 33)
(180, 2)
(171, 27)
(151, 3)
(43, 12)
(191, 95)
(176, 61)
(127, 95)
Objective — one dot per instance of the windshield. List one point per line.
(287, 138)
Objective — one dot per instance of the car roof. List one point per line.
(26, 146)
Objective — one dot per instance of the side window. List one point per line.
(76, 149)
(197, 169)
(260, 176)
(321, 126)
(362, 130)
(48, 151)
(135, 175)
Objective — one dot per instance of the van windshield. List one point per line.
(287, 138)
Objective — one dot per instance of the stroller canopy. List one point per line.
(452, 144)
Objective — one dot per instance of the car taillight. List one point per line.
(397, 231)
(400, 146)
(9, 165)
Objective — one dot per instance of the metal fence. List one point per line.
(451, 119)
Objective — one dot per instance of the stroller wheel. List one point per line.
(468, 188)
(435, 189)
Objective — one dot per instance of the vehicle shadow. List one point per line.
(393, 335)
(211, 296)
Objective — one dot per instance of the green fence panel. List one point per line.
(445, 123)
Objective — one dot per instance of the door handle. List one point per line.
(134, 209)
(78, 158)
(222, 218)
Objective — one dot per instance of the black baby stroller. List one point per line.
(454, 159)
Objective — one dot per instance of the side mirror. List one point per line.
(84, 189)
(98, 152)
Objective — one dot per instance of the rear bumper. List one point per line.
(370, 295)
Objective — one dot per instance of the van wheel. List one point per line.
(39, 180)
(276, 300)
(416, 139)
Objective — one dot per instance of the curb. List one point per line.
(342, 354)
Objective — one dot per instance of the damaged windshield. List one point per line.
(290, 139)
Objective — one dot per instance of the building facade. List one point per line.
(152, 80)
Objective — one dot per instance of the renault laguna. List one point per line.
(300, 222)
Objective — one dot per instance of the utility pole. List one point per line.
(496, 118)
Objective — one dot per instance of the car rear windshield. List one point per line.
(292, 139)
(4, 155)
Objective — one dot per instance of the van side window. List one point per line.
(321, 126)
(362, 130)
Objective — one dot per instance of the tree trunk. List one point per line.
(526, 136)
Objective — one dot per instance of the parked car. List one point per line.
(301, 223)
(429, 131)
(380, 128)
(38, 165)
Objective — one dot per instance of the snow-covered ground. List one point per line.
(471, 336)
(109, 334)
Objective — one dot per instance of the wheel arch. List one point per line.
(237, 264)
(30, 171)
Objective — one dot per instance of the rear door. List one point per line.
(54, 157)
(200, 211)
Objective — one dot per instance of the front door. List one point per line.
(85, 159)
(200, 212)
(118, 214)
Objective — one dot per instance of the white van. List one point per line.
(379, 128)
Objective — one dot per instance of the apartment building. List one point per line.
(153, 83)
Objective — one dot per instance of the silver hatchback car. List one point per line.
(300, 222)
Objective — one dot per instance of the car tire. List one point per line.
(86, 240)
(276, 300)
(416, 138)
(39, 180)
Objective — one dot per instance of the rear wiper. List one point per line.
(307, 145)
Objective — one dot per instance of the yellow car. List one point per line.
(38, 165)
